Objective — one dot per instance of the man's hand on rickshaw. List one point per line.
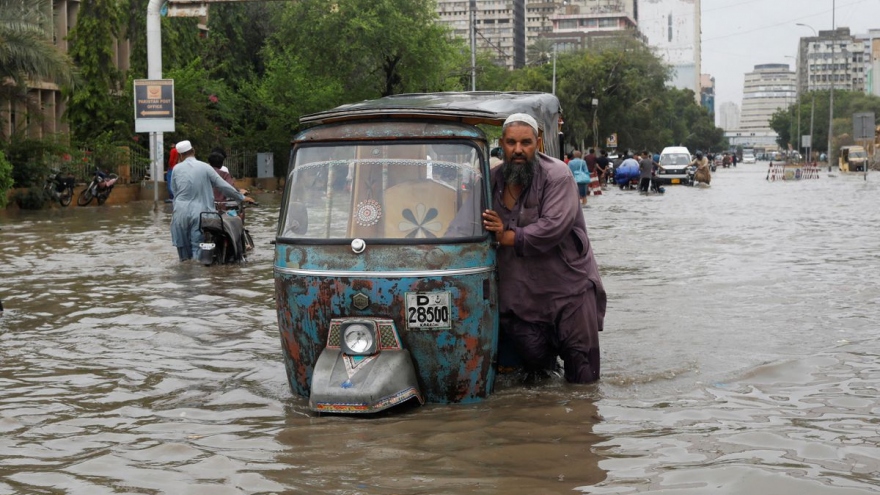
(248, 199)
(492, 222)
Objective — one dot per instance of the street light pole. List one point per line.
(807, 83)
(797, 92)
(812, 112)
(831, 98)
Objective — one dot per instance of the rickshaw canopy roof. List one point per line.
(476, 107)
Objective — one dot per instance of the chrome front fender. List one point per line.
(362, 384)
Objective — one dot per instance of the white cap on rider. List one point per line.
(183, 146)
(524, 118)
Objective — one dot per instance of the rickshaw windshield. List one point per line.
(406, 191)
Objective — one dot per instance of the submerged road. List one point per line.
(740, 355)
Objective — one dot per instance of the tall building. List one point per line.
(766, 89)
(707, 92)
(817, 70)
(500, 26)
(728, 116)
(580, 28)
(578, 16)
(46, 97)
(871, 41)
(672, 29)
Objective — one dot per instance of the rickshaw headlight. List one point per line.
(359, 338)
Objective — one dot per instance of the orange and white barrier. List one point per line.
(595, 187)
(792, 171)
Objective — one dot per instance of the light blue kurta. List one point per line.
(192, 184)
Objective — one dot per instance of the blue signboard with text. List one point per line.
(154, 105)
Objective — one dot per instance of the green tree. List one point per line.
(26, 49)
(816, 103)
(94, 106)
(5, 178)
(539, 52)
(236, 35)
(373, 47)
(207, 111)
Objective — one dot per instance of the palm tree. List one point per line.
(540, 52)
(27, 51)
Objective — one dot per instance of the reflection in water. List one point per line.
(739, 356)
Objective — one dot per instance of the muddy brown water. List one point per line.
(740, 356)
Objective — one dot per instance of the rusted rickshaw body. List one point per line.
(384, 277)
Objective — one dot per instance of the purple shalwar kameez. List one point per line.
(552, 302)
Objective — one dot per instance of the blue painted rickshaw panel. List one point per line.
(452, 365)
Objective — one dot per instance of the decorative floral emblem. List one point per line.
(421, 224)
(368, 213)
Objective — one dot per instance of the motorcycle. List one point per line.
(691, 170)
(99, 188)
(225, 239)
(59, 187)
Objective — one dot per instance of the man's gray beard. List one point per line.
(520, 175)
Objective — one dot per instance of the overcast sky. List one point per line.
(739, 34)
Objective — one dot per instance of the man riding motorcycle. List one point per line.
(702, 174)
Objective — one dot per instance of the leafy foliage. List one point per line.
(846, 103)
(5, 178)
(94, 108)
(27, 51)
(373, 47)
(245, 81)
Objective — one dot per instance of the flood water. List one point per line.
(741, 355)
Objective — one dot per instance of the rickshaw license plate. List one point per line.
(427, 310)
(676, 181)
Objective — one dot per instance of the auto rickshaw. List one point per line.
(385, 279)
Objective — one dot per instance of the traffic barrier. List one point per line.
(594, 186)
(793, 171)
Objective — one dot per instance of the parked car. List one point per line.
(674, 160)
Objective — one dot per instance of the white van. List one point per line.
(674, 160)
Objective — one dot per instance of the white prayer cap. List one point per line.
(184, 146)
(522, 117)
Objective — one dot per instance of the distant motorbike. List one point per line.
(225, 239)
(99, 188)
(59, 187)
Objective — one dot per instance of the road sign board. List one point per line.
(187, 10)
(154, 105)
(611, 142)
(806, 141)
(863, 125)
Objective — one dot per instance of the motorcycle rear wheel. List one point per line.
(66, 196)
(85, 197)
(101, 198)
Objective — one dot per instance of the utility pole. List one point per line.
(154, 71)
(473, 23)
(698, 66)
(812, 113)
(831, 98)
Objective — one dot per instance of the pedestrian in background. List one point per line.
(172, 161)
(193, 185)
(578, 167)
(646, 171)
